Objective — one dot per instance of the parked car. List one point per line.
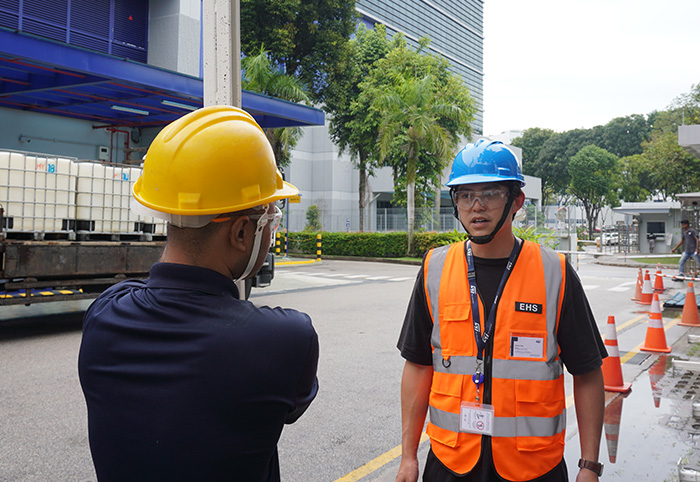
(610, 238)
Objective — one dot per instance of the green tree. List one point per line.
(634, 178)
(411, 123)
(531, 142)
(623, 136)
(592, 172)
(354, 128)
(262, 76)
(309, 40)
(673, 170)
(422, 109)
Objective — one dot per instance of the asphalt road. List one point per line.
(350, 432)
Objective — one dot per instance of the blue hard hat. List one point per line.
(485, 161)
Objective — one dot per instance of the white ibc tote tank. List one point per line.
(37, 192)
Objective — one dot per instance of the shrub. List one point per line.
(313, 219)
(375, 245)
(391, 245)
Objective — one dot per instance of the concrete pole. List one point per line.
(222, 60)
(222, 52)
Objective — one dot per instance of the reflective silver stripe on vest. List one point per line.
(433, 274)
(506, 426)
(510, 369)
(553, 284)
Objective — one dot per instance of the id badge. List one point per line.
(476, 417)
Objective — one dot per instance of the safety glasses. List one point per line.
(273, 219)
(490, 198)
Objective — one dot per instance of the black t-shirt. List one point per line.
(690, 236)
(582, 350)
(183, 381)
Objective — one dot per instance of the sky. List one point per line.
(566, 64)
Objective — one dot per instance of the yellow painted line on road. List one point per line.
(373, 465)
(635, 350)
(631, 322)
(292, 263)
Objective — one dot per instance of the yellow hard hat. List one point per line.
(211, 161)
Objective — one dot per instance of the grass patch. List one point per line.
(656, 261)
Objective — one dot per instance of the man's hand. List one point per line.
(408, 470)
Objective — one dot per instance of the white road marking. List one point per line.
(619, 288)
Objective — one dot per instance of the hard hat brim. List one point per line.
(288, 190)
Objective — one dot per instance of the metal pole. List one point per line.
(286, 234)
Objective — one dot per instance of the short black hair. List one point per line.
(685, 221)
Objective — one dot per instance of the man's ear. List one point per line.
(239, 231)
(518, 202)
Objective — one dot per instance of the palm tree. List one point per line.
(412, 111)
(262, 76)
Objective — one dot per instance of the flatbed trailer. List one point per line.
(68, 231)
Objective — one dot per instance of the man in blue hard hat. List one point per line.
(491, 323)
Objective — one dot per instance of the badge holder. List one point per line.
(476, 417)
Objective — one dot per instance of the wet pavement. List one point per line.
(652, 433)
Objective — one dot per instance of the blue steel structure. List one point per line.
(51, 77)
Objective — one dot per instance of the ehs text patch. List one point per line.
(528, 307)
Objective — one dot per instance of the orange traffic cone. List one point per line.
(647, 292)
(638, 288)
(612, 368)
(613, 416)
(690, 308)
(656, 373)
(656, 336)
(659, 281)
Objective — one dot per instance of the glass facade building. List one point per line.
(455, 29)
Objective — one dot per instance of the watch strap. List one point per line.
(593, 466)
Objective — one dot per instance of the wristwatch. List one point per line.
(594, 466)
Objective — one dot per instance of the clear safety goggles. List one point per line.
(489, 198)
(273, 219)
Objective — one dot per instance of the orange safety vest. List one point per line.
(527, 393)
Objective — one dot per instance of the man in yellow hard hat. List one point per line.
(183, 380)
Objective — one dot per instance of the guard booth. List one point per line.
(659, 224)
(690, 210)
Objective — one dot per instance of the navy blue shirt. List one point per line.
(183, 381)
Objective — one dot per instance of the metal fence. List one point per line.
(380, 220)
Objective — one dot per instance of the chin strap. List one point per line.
(262, 222)
(489, 237)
